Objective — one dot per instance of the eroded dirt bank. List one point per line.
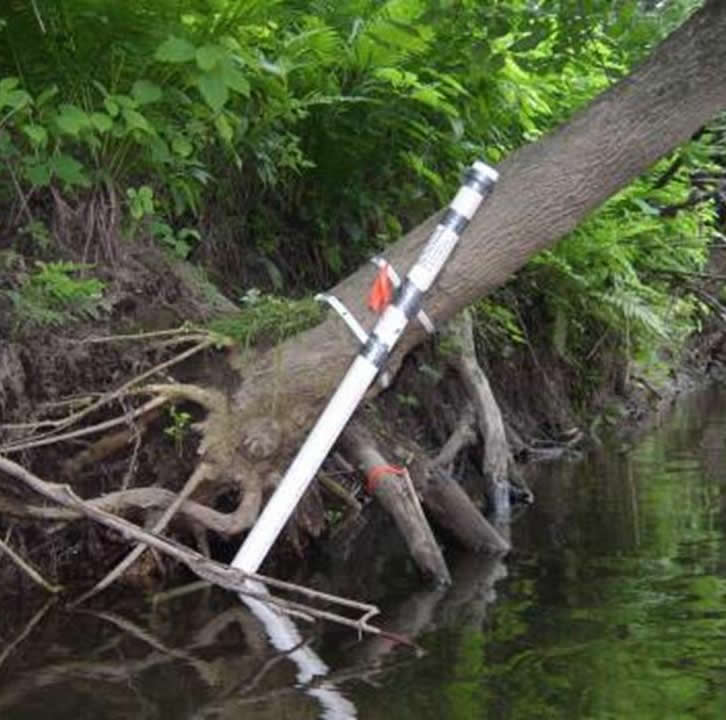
(134, 405)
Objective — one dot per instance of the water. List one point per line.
(612, 606)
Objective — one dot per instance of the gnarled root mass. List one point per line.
(244, 444)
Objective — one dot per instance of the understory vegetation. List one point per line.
(258, 151)
(279, 144)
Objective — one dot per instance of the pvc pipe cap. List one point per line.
(485, 170)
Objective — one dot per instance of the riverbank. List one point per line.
(158, 319)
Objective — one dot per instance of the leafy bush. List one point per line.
(54, 294)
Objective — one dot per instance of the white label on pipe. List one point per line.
(466, 202)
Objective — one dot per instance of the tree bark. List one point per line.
(546, 189)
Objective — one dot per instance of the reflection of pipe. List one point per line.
(478, 184)
(284, 636)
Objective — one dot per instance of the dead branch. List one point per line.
(339, 491)
(29, 570)
(195, 479)
(223, 575)
(400, 501)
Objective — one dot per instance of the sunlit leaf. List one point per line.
(175, 50)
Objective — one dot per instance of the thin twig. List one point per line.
(26, 630)
(30, 571)
(82, 432)
(108, 397)
(173, 332)
(225, 576)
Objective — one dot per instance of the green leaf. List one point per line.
(37, 134)
(102, 122)
(224, 128)
(135, 120)
(213, 88)
(8, 83)
(111, 106)
(46, 95)
(38, 174)
(646, 207)
(71, 119)
(209, 55)
(146, 92)
(234, 78)
(181, 146)
(11, 98)
(124, 101)
(69, 170)
(175, 50)
(528, 42)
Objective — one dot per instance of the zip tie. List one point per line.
(344, 313)
(422, 317)
(373, 476)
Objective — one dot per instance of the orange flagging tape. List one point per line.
(373, 476)
(381, 293)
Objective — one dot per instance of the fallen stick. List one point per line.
(217, 573)
(26, 630)
(30, 571)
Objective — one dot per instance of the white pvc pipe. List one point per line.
(305, 465)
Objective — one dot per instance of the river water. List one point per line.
(612, 606)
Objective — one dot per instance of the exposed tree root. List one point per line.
(452, 508)
(497, 457)
(51, 437)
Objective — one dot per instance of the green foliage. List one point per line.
(311, 134)
(618, 262)
(179, 427)
(358, 113)
(55, 294)
(268, 319)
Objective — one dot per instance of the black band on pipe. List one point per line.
(375, 351)
(478, 182)
(409, 299)
(454, 221)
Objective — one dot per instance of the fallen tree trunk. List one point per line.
(546, 189)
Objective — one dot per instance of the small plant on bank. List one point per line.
(55, 294)
(179, 428)
(268, 318)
